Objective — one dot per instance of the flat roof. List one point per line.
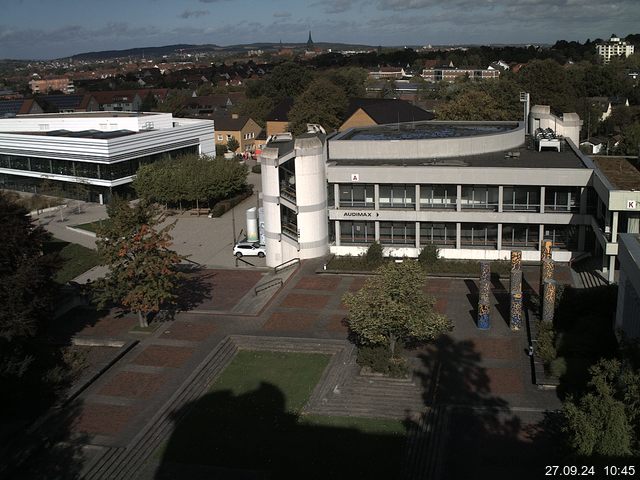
(504, 159)
(426, 130)
(619, 171)
(104, 114)
(97, 134)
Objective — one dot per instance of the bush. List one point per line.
(375, 357)
(545, 348)
(374, 255)
(558, 367)
(378, 358)
(256, 169)
(428, 255)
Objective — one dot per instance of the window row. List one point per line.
(71, 168)
(475, 235)
(443, 197)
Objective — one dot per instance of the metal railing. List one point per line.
(287, 264)
(271, 283)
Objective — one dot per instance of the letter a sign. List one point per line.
(355, 177)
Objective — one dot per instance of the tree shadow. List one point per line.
(253, 436)
(193, 289)
(494, 440)
(472, 298)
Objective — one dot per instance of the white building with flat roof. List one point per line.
(101, 150)
(614, 48)
(476, 190)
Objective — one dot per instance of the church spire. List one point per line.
(309, 42)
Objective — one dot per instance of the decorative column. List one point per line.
(549, 300)
(545, 258)
(483, 300)
(515, 295)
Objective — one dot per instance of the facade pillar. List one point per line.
(336, 195)
(458, 198)
(500, 198)
(540, 238)
(418, 235)
(377, 230)
(337, 232)
(614, 227)
(612, 269)
(499, 236)
(542, 199)
(376, 197)
(417, 197)
(458, 235)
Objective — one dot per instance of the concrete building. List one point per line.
(451, 74)
(614, 48)
(61, 84)
(99, 150)
(476, 190)
(628, 310)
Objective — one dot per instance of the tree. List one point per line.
(392, 307)
(288, 79)
(598, 424)
(548, 84)
(232, 144)
(322, 102)
(149, 102)
(472, 105)
(27, 291)
(143, 275)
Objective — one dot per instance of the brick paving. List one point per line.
(132, 385)
(101, 419)
(164, 356)
(308, 306)
(189, 331)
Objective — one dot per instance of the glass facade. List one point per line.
(562, 199)
(520, 236)
(397, 196)
(438, 196)
(398, 233)
(479, 235)
(440, 234)
(356, 195)
(359, 233)
(521, 199)
(90, 170)
(479, 197)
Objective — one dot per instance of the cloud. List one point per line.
(282, 14)
(213, 1)
(336, 6)
(193, 13)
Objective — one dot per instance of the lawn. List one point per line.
(91, 226)
(250, 420)
(76, 259)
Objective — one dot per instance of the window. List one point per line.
(561, 199)
(229, 137)
(479, 235)
(357, 232)
(397, 196)
(438, 196)
(86, 170)
(520, 236)
(521, 199)
(356, 195)
(480, 197)
(220, 138)
(398, 233)
(439, 234)
(564, 237)
(62, 167)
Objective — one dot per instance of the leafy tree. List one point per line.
(548, 84)
(392, 307)
(388, 89)
(256, 108)
(27, 292)
(598, 424)
(288, 79)
(631, 141)
(322, 102)
(375, 254)
(232, 144)
(472, 105)
(143, 275)
(429, 255)
(351, 79)
(149, 102)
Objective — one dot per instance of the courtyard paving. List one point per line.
(487, 370)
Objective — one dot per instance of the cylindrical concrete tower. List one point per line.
(271, 205)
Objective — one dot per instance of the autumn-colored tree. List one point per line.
(143, 275)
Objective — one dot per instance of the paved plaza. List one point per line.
(466, 371)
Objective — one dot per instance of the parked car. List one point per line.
(249, 249)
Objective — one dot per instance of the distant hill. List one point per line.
(207, 48)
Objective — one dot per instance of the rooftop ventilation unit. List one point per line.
(280, 137)
(512, 155)
(315, 128)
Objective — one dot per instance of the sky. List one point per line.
(45, 29)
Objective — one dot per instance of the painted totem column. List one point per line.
(549, 300)
(515, 312)
(483, 302)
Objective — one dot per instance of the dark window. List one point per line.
(357, 232)
(520, 236)
(438, 196)
(356, 195)
(479, 235)
(398, 233)
(440, 234)
(521, 199)
(397, 196)
(480, 197)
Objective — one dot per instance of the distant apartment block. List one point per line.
(62, 84)
(614, 48)
(388, 73)
(450, 74)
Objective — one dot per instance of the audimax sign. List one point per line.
(360, 214)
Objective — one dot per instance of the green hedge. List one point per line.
(224, 206)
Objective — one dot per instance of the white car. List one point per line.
(249, 249)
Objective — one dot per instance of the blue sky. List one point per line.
(56, 28)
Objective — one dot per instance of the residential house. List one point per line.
(210, 104)
(68, 103)
(278, 119)
(365, 112)
(11, 108)
(614, 48)
(61, 84)
(449, 73)
(593, 145)
(242, 128)
(388, 73)
(120, 100)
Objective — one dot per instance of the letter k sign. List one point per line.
(631, 204)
